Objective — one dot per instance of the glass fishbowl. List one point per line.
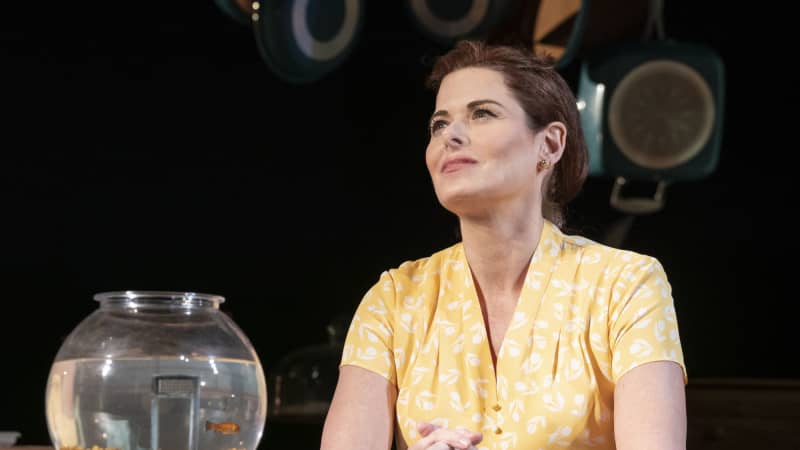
(154, 370)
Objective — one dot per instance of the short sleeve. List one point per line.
(369, 339)
(643, 325)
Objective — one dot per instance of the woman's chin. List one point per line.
(462, 205)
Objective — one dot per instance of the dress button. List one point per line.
(498, 430)
(497, 407)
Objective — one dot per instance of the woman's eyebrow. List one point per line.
(475, 103)
(470, 105)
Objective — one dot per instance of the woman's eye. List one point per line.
(437, 125)
(480, 113)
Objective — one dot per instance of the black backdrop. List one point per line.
(145, 145)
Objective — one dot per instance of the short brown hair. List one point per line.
(544, 96)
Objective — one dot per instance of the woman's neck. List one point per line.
(499, 248)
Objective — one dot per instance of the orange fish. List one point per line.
(224, 427)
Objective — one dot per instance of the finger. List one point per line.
(439, 446)
(473, 436)
(430, 443)
(447, 436)
(425, 428)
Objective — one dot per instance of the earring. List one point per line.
(542, 164)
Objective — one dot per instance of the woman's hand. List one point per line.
(438, 438)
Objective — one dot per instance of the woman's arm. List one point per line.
(361, 416)
(650, 408)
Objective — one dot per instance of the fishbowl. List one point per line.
(154, 370)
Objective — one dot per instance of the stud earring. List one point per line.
(542, 164)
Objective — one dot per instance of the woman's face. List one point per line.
(482, 153)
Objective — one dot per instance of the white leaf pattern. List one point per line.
(456, 404)
(591, 441)
(552, 403)
(502, 388)
(399, 357)
(575, 325)
(593, 258)
(424, 400)
(478, 331)
(539, 341)
(516, 407)
(507, 441)
(381, 328)
(432, 345)
(558, 437)
(519, 321)
(347, 352)
(580, 405)
(573, 370)
(458, 345)
(412, 303)
(418, 374)
(411, 428)
(387, 358)
(405, 322)
(532, 364)
(659, 331)
(489, 423)
(598, 344)
(640, 348)
(367, 353)
(477, 386)
(449, 377)
(377, 308)
(402, 397)
(559, 311)
(448, 327)
(669, 313)
(534, 280)
(535, 424)
(524, 389)
(511, 347)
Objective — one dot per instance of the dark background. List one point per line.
(146, 145)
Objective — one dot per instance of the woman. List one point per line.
(520, 336)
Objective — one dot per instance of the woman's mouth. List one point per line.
(457, 164)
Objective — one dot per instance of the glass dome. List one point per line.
(156, 370)
(303, 382)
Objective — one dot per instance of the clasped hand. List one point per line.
(440, 438)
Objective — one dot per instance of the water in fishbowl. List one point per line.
(156, 404)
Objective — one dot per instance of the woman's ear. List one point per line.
(555, 139)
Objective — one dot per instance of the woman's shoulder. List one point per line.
(583, 249)
(428, 266)
(417, 280)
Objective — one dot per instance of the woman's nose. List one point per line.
(455, 135)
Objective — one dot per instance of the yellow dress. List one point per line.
(587, 313)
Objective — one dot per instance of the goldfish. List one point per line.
(224, 427)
